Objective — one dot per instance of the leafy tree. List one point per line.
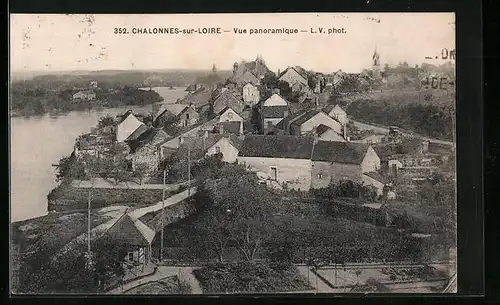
(212, 233)
(106, 121)
(69, 168)
(141, 170)
(269, 81)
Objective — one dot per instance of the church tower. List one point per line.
(214, 70)
(376, 64)
(235, 68)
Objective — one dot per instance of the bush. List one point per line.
(346, 188)
(250, 277)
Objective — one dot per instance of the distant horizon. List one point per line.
(185, 69)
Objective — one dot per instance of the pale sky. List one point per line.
(57, 42)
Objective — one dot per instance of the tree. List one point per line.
(269, 81)
(141, 170)
(106, 121)
(212, 233)
(69, 168)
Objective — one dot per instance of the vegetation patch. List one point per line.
(168, 285)
(250, 277)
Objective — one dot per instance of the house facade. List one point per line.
(335, 161)
(310, 120)
(227, 99)
(230, 121)
(193, 132)
(251, 95)
(336, 112)
(293, 78)
(273, 110)
(84, 95)
(227, 146)
(281, 159)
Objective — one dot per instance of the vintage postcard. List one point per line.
(233, 153)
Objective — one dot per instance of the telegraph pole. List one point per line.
(162, 215)
(88, 223)
(189, 171)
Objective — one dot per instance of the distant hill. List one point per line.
(113, 78)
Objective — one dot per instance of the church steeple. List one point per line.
(214, 70)
(376, 58)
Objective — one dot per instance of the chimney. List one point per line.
(221, 128)
(205, 134)
(316, 101)
(345, 133)
(279, 72)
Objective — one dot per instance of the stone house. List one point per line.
(210, 144)
(228, 146)
(186, 114)
(293, 78)
(87, 95)
(230, 121)
(251, 94)
(168, 146)
(129, 127)
(145, 149)
(310, 120)
(377, 181)
(282, 159)
(273, 110)
(336, 112)
(325, 133)
(227, 99)
(334, 161)
(247, 78)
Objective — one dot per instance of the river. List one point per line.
(38, 142)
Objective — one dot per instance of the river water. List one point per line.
(38, 142)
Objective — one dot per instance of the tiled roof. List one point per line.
(340, 152)
(132, 232)
(274, 146)
(269, 112)
(198, 99)
(377, 176)
(227, 99)
(174, 109)
(138, 132)
(321, 129)
(231, 126)
(197, 146)
(286, 121)
(306, 117)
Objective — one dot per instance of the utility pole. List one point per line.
(189, 171)
(162, 215)
(88, 224)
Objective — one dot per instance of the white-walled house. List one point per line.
(334, 161)
(282, 159)
(310, 120)
(274, 109)
(129, 125)
(251, 95)
(229, 115)
(336, 112)
(228, 146)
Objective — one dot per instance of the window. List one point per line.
(217, 150)
(130, 256)
(320, 176)
(274, 173)
(187, 116)
(230, 115)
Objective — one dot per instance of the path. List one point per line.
(104, 183)
(319, 285)
(384, 129)
(136, 214)
(184, 273)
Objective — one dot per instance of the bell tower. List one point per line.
(376, 64)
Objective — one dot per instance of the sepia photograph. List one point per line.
(219, 154)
